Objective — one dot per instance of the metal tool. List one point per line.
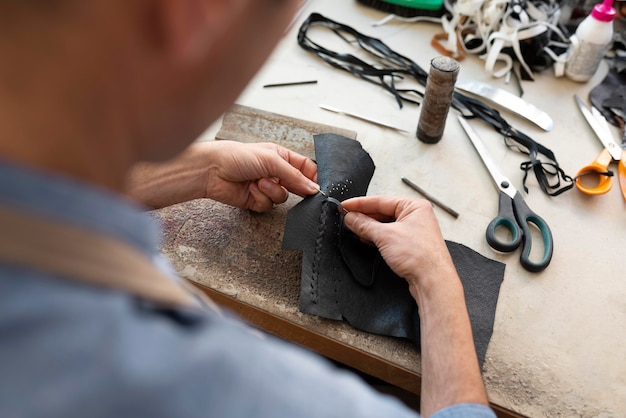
(292, 83)
(513, 213)
(430, 197)
(340, 208)
(509, 101)
(362, 118)
(611, 152)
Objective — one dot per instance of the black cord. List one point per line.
(390, 66)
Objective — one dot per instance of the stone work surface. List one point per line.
(239, 253)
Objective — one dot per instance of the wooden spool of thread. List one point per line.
(437, 99)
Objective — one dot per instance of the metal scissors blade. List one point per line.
(513, 215)
(502, 182)
(601, 128)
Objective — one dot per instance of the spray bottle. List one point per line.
(590, 42)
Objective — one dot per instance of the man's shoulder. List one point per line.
(87, 345)
(76, 347)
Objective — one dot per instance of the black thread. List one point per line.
(607, 173)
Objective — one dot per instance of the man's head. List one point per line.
(125, 79)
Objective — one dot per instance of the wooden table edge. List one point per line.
(328, 347)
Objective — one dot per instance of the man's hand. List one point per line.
(256, 176)
(408, 237)
(248, 176)
(412, 245)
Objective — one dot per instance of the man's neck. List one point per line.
(62, 109)
(57, 140)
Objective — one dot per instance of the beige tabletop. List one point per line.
(558, 346)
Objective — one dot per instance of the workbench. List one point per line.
(559, 335)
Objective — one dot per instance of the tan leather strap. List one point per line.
(436, 42)
(79, 254)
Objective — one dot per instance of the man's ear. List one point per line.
(187, 28)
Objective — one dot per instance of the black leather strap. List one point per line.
(387, 66)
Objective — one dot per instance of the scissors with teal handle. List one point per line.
(513, 213)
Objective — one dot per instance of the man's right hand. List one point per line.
(406, 233)
(408, 237)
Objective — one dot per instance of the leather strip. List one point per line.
(387, 66)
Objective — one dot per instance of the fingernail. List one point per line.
(350, 219)
(263, 185)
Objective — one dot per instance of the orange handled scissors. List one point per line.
(611, 152)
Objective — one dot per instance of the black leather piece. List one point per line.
(344, 278)
(363, 261)
(481, 278)
(610, 94)
(344, 170)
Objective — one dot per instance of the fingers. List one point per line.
(303, 164)
(257, 200)
(296, 172)
(380, 207)
(412, 245)
(368, 229)
(293, 180)
(274, 191)
(264, 194)
(375, 218)
(272, 169)
(365, 215)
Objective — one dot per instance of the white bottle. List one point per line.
(590, 42)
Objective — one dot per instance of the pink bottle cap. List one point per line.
(603, 12)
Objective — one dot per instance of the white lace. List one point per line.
(494, 25)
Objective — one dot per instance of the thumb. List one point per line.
(293, 179)
(362, 225)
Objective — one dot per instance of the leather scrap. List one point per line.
(610, 94)
(345, 279)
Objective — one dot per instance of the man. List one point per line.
(87, 90)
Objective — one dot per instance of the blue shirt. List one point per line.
(70, 349)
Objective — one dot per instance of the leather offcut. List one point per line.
(610, 94)
(345, 279)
